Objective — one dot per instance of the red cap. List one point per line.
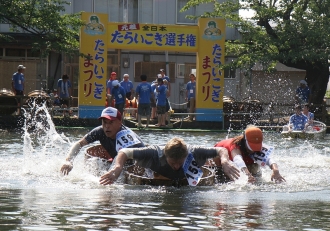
(113, 73)
(110, 113)
(253, 137)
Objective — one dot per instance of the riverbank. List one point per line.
(14, 122)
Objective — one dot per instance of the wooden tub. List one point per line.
(135, 175)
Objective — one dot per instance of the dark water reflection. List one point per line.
(34, 196)
(141, 208)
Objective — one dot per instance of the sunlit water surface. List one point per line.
(35, 196)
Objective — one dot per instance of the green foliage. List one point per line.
(52, 29)
(287, 31)
(293, 32)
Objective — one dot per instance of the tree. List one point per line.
(45, 20)
(293, 32)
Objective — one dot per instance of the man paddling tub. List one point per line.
(175, 160)
(112, 134)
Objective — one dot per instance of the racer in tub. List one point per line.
(249, 153)
(112, 134)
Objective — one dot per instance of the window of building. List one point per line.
(145, 11)
(230, 73)
(14, 52)
(151, 69)
(196, 11)
(1, 51)
(181, 16)
(32, 53)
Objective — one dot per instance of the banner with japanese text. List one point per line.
(92, 67)
(153, 37)
(210, 78)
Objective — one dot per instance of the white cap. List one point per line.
(115, 83)
(20, 67)
(303, 82)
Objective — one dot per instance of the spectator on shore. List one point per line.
(161, 102)
(128, 86)
(118, 93)
(18, 85)
(113, 76)
(303, 93)
(64, 88)
(191, 95)
(144, 96)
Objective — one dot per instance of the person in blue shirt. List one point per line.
(64, 91)
(118, 93)
(191, 94)
(298, 121)
(145, 95)
(167, 83)
(153, 103)
(303, 93)
(128, 86)
(310, 115)
(161, 102)
(113, 76)
(18, 84)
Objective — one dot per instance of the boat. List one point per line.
(316, 130)
(135, 175)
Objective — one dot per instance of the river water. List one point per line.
(35, 196)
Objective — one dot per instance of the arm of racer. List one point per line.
(74, 150)
(228, 167)
(111, 176)
(238, 160)
(276, 176)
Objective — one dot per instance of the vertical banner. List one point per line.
(210, 78)
(92, 67)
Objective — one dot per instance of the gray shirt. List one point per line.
(153, 157)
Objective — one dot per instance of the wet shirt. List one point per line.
(18, 80)
(153, 157)
(144, 91)
(191, 89)
(127, 85)
(298, 122)
(97, 134)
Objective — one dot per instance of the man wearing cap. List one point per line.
(128, 86)
(191, 94)
(118, 93)
(113, 76)
(176, 160)
(18, 84)
(112, 135)
(249, 153)
(303, 93)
